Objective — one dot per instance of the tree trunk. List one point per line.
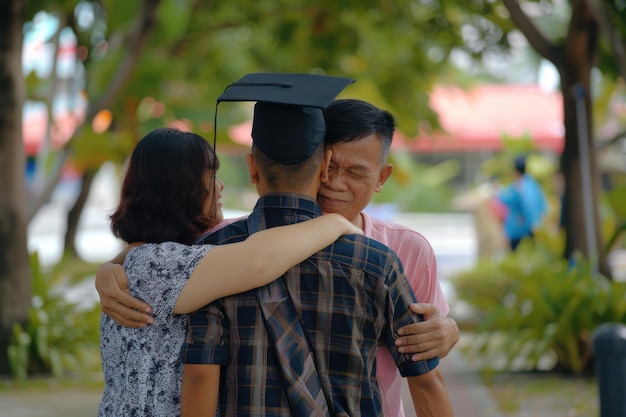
(15, 284)
(579, 52)
(73, 216)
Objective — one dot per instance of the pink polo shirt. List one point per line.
(420, 267)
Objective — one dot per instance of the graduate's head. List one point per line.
(288, 127)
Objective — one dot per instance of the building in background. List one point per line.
(474, 121)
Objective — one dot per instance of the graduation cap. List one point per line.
(288, 122)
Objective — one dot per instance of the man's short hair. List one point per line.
(292, 176)
(348, 120)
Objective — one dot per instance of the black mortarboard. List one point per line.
(288, 122)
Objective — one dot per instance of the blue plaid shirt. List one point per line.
(350, 297)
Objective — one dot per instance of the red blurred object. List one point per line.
(474, 120)
(35, 124)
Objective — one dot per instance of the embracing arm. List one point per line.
(260, 259)
(435, 336)
(226, 269)
(115, 298)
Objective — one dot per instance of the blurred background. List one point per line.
(472, 84)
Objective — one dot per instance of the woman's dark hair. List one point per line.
(164, 191)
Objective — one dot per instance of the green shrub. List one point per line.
(59, 335)
(534, 305)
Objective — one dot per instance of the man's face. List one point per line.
(355, 174)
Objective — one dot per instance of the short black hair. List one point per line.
(348, 120)
(280, 176)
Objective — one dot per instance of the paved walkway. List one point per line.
(470, 398)
(73, 402)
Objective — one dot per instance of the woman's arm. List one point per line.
(260, 259)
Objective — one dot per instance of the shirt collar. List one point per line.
(293, 201)
(278, 209)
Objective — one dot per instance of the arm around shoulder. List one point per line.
(435, 336)
(260, 259)
(115, 299)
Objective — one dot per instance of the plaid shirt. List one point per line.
(350, 297)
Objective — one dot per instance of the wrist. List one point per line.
(454, 329)
(345, 224)
(334, 219)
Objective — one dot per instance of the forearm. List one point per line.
(200, 390)
(429, 395)
(280, 248)
(260, 259)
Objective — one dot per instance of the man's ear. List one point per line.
(383, 176)
(328, 153)
(253, 169)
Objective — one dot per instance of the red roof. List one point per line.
(475, 119)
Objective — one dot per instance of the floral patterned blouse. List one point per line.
(142, 367)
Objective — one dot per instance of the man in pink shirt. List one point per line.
(359, 135)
